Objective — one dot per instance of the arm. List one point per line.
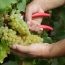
(40, 6)
(42, 50)
(50, 4)
(54, 50)
(58, 49)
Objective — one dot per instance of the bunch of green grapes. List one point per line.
(18, 24)
(32, 39)
(9, 35)
(15, 31)
(7, 38)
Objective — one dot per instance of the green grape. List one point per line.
(17, 23)
(7, 38)
(9, 35)
(32, 39)
(18, 34)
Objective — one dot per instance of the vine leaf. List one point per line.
(21, 5)
(5, 5)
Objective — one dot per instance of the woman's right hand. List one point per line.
(33, 50)
(40, 6)
(34, 7)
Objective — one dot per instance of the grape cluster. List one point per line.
(18, 24)
(15, 31)
(9, 35)
(32, 39)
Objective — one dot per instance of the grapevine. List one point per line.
(17, 23)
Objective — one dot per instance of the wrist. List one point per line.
(49, 4)
(47, 53)
(40, 4)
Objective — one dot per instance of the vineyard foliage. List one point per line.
(14, 29)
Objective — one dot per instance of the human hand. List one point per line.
(33, 7)
(40, 6)
(33, 50)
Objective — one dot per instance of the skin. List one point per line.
(41, 50)
(40, 6)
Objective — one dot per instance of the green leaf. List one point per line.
(5, 5)
(21, 5)
(3, 53)
(11, 63)
(54, 62)
(4, 50)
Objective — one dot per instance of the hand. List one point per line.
(33, 50)
(40, 6)
(33, 7)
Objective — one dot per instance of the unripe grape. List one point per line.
(10, 35)
(31, 39)
(18, 24)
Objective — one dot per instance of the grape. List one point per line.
(17, 23)
(15, 31)
(31, 39)
(7, 38)
(9, 35)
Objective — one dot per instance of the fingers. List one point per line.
(39, 19)
(33, 26)
(33, 22)
(30, 9)
(29, 12)
(20, 48)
